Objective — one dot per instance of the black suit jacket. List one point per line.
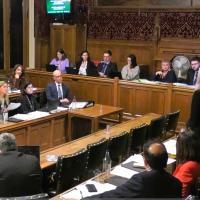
(91, 68)
(148, 184)
(25, 104)
(194, 120)
(190, 76)
(169, 78)
(52, 93)
(20, 174)
(112, 67)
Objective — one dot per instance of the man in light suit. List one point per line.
(192, 73)
(57, 91)
(106, 67)
(20, 174)
(155, 182)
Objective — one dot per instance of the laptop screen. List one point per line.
(30, 150)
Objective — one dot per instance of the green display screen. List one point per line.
(58, 6)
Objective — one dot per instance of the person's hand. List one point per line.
(101, 74)
(65, 100)
(17, 76)
(159, 73)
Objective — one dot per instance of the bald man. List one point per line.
(57, 91)
(154, 182)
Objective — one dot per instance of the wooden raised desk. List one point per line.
(94, 114)
(76, 145)
(46, 131)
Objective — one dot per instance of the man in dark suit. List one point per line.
(20, 174)
(106, 67)
(155, 182)
(192, 73)
(57, 91)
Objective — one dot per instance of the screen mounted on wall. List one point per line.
(58, 6)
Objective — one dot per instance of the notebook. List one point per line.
(33, 150)
(50, 68)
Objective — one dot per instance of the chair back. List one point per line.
(97, 153)
(118, 147)
(137, 138)
(156, 128)
(70, 170)
(172, 120)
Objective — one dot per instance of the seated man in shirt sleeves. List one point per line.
(57, 91)
(106, 67)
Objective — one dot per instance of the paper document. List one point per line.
(75, 105)
(31, 115)
(171, 146)
(81, 191)
(13, 106)
(123, 172)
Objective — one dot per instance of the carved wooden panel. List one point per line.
(21, 136)
(59, 133)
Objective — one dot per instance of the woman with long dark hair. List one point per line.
(17, 79)
(85, 66)
(131, 71)
(61, 61)
(188, 160)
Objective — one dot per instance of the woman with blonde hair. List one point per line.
(4, 101)
(194, 119)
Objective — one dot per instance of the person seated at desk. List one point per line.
(85, 66)
(166, 75)
(20, 174)
(4, 100)
(131, 71)
(27, 99)
(57, 91)
(188, 161)
(17, 79)
(60, 61)
(192, 72)
(194, 119)
(106, 67)
(155, 182)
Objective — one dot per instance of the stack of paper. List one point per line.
(81, 191)
(31, 115)
(171, 146)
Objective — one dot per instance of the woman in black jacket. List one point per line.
(85, 66)
(27, 99)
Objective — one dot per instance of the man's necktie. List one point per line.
(195, 77)
(104, 68)
(59, 92)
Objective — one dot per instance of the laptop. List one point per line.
(33, 150)
(71, 70)
(115, 74)
(50, 68)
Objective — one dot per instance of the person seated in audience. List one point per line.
(4, 100)
(60, 61)
(57, 91)
(166, 74)
(192, 73)
(155, 182)
(131, 71)
(85, 66)
(106, 67)
(20, 174)
(194, 122)
(27, 99)
(17, 79)
(188, 160)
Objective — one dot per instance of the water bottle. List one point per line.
(9, 88)
(107, 163)
(74, 103)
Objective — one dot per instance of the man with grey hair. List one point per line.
(20, 174)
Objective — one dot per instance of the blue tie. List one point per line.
(104, 68)
(195, 77)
